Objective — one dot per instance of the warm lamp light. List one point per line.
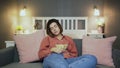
(100, 25)
(23, 11)
(100, 21)
(96, 11)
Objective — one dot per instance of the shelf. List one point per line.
(98, 36)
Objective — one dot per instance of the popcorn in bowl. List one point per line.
(59, 48)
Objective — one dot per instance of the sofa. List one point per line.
(9, 58)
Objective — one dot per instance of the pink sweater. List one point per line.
(48, 42)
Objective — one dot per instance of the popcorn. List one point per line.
(59, 48)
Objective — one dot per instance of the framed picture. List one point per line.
(38, 24)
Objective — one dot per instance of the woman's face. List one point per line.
(54, 28)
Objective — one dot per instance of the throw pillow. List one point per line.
(28, 45)
(101, 48)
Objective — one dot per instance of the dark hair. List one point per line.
(48, 27)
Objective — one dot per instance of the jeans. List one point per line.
(58, 61)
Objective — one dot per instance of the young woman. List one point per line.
(55, 57)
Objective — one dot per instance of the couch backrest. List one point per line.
(78, 43)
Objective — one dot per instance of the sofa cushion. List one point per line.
(23, 65)
(28, 45)
(101, 48)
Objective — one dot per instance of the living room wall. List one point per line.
(9, 12)
(64, 7)
(8, 17)
(112, 12)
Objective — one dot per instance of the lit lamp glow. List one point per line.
(100, 25)
(23, 11)
(96, 11)
(100, 21)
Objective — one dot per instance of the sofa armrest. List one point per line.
(6, 56)
(116, 58)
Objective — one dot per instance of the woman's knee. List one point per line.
(85, 61)
(92, 58)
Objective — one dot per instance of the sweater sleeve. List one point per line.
(71, 50)
(44, 48)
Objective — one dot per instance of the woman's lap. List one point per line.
(85, 61)
(57, 60)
